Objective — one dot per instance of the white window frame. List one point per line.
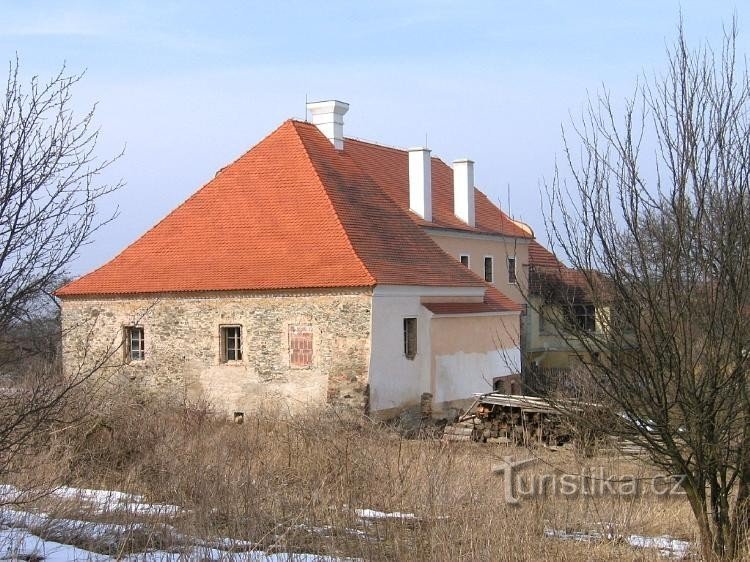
(492, 269)
(127, 336)
(468, 259)
(223, 344)
(515, 270)
(413, 355)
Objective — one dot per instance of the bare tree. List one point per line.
(49, 189)
(50, 186)
(653, 216)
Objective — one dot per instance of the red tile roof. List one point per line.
(389, 167)
(541, 256)
(494, 301)
(548, 274)
(292, 212)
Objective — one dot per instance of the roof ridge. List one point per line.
(392, 148)
(330, 203)
(481, 281)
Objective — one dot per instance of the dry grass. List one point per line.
(295, 485)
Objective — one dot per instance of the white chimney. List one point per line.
(328, 116)
(420, 182)
(463, 190)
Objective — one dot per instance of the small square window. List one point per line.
(464, 259)
(488, 269)
(410, 337)
(300, 346)
(133, 341)
(512, 269)
(231, 343)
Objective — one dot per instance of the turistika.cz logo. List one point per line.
(594, 481)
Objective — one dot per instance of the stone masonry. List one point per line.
(183, 346)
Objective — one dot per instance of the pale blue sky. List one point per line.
(189, 86)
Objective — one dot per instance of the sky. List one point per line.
(187, 87)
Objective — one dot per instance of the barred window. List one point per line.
(134, 344)
(300, 346)
(231, 343)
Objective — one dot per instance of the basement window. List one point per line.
(300, 346)
(512, 270)
(410, 337)
(489, 274)
(231, 343)
(464, 259)
(133, 341)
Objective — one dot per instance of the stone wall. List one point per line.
(183, 346)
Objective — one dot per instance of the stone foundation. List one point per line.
(183, 346)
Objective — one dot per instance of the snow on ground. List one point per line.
(21, 544)
(102, 501)
(41, 537)
(372, 514)
(666, 545)
(20, 533)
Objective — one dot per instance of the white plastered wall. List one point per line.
(470, 352)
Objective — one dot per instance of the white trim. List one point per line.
(426, 291)
(515, 269)
(476, 235)
(484, 270)
(466, 255)
(469, 314)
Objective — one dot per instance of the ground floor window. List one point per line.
(300, 346)
(410, 337)
(134, 344)
(231, 343)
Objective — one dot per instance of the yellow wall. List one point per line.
(477, 247)
(469, 352)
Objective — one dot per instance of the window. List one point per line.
(464, 259)
(133, 343)
(488, 269)
(583, 316)
(512, 269)
(410, 337)
(231, 343)
(300, 346)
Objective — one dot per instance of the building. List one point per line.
(560, 312)
(313, 269)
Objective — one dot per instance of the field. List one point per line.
(326, 484)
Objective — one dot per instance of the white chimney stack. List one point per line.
(328, 116)
(420, 182)
(463, 190)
